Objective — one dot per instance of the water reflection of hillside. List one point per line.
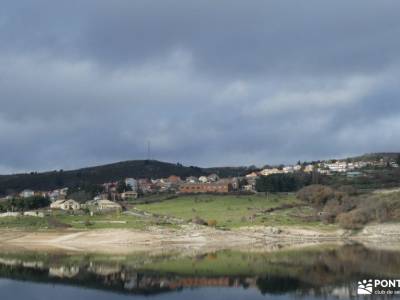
(328, 271)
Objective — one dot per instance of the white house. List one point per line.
(34, 214)
(288, 169)
(212, 178)
(297, 168)
(309, 168)
(27, 193)
(192, 179)
(128, 195)
(267, 172)
(132, 183)
(339, 166)
(203, 179)
(65, 205)
(252, 175)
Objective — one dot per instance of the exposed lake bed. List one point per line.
(196, 237)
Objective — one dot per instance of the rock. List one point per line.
(275, 230)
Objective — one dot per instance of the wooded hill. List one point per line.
(107, 173)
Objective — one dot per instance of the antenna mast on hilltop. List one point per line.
(148, 150)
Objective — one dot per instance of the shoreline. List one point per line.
(196, 238)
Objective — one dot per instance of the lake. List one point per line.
(323, 272)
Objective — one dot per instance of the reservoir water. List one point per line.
(318, 272)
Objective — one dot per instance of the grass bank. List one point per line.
(226, 211)
(233, 211)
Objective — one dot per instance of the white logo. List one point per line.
(365, 287)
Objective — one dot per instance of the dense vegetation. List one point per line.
(372, 178)
(278, 183)
(350, 209)
(24, 204)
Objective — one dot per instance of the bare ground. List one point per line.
(195, 238)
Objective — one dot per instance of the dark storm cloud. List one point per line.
(209, 83)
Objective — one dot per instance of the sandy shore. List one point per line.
(191, 238)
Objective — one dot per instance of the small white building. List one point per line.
(129, 195)
(65, 205)
(297, 168)
(103, 205)
(203, 179)
(192, 179)
(38, 214)
(212, 178)
(248, 188)
(309, 168)
(339, 166)
(27, 193)
(10, 214)
(252, 175)
(267, 172)
(288, 169)
(132, 183)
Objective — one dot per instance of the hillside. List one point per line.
(386, 156)
(106, 173)
(133, 168)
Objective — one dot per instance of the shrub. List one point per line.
(54, 223)
(212, 223)
(199, 221)
(88, 223)
(355, 219)
(348, 190)
(316, 195)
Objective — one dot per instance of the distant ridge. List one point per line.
(106, 173)
(132, 168)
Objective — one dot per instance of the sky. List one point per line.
(207, 83)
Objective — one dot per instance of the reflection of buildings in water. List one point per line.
(343, 292)
(25, 264)
(129, 280)
(150, 282)
(198, 282)
(131, 283)
(10, 262)
(318, 272)
(33, 264)
(64, 271)
(103, 270)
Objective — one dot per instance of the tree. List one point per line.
(316, 194)
(24, 204)
(398, 159)
(315, 176)
(276, 183)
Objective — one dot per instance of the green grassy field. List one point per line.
(64, 221)
(229, 211)
(233, 211)
(23, 222)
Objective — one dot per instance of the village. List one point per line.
(113, 195)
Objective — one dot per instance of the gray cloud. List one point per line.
(207, 83)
